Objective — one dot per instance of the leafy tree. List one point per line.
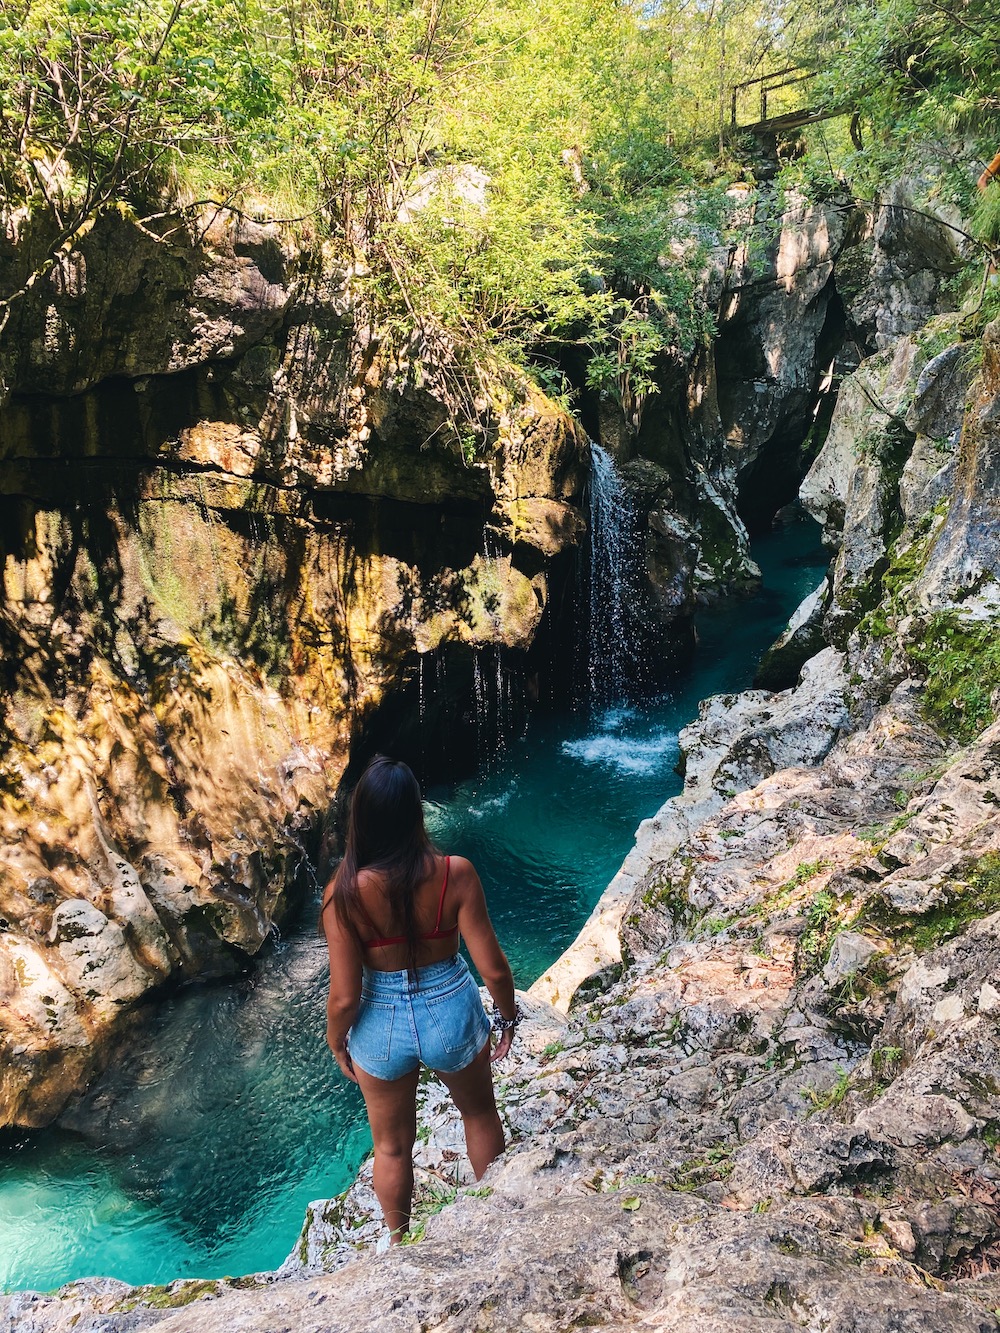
(357, 119)
(923, 80)
(103, 99)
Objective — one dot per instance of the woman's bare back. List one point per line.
(438, 892)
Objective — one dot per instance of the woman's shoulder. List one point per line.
(462, 874)
(459, 865)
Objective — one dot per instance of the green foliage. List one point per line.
(362, 123)
(907, 559)
(671, 896)
(169, 1296)
(828, 1098)
(100, 94)
(596, 128)
(651, 246)
(805, 871)
(714, 925)
(821, 926)
(846, 999)
(971, 895)
(782, 897)
(919, 76)
(431, 1197)
(885, 1060)
(938, 335)
(975, 895)
(720, 45)
(960, 660)
(879, 834)
(812, 175)
(716, 1164)
(986, 218)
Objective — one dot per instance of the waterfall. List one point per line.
(479, 694)
(611, 656)
(422, 709)
(495, 703)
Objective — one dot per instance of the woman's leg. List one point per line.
(392, 1115)
(472, 1091)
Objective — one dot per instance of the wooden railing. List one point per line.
(767, 115)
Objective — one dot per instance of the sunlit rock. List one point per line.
(237, 557)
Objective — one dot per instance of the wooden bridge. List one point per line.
(774, 111)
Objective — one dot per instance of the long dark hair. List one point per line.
(386, 833)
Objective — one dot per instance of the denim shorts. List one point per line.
(436, 1018)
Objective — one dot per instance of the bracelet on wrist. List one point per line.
(501, 1024)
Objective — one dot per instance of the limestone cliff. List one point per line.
(233, 526)
(784, 1094)
(236, 529)
(776, 1108)
(236, 525)
(801, 292)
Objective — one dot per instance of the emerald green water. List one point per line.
(198, 1156)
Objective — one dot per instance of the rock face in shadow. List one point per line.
(233, 526)
(721, 446)
(801, 640)
(905, 250)
(802, 295)
(781, 327)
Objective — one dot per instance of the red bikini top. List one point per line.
(436, 934)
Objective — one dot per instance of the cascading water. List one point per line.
(421, 703)
(611, 648)
(494, 702)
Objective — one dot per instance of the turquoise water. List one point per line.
(549, 823)
(198, 1155)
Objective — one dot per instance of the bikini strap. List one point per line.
(444, 890)
(437, 933)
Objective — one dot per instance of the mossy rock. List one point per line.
(974, 893)
(960, 660)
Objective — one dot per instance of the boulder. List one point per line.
(802, 639)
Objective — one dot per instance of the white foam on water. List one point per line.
(490, 805)
(613, 719)
(479, 807)
(625, 754)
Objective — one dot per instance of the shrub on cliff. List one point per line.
(332, 116)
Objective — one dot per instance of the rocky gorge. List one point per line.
(764, 1079)
(241, 536)
(231, 532)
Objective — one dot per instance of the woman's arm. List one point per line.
(345, 985)
(484, 947)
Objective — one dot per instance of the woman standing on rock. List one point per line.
(400, 993)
